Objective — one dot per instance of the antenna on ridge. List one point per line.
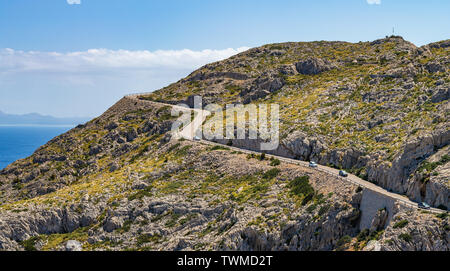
(393, 30)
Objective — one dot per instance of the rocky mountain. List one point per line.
(121, 182)
(378, 109)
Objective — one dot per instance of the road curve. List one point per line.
(188, 133)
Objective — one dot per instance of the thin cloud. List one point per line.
(88, 82)
(74, 2)
(374, 2)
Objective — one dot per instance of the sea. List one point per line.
(17, 142)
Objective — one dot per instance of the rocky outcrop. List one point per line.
(304, 147)
(440, 94)
(434, 67)
(18, 227)
(313, 66)
(430, 184)
(261, 87)
(297, 235)
(412, 231)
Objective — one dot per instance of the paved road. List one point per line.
(188, 133)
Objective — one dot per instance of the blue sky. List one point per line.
(78, 59)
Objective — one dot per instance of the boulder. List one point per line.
(73, 245)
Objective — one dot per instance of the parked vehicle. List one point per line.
(312, 164)
(423, 205)
(343, 173)
(196, 138)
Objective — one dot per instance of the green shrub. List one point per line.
(172, 187)
(126, 226)
(183, 151)
(147, 238)
(401, 224)
(362, 236)
(311, 208)
(233, 89)
(430, 166)
(272, 173)
(442, 215)
(275, 163)
(405, 236)
(300, 187)
(173, 220)
(147, 192)
(188, 218)
(173, 147)
(262, 157)
(344, 240)
(324, 209)
(29, 244)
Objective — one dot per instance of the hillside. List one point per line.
(121, 182)
(378, 109)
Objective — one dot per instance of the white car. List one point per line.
(312, 164)
(423, 205)
(196, 138)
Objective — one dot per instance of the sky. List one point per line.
(78, 57)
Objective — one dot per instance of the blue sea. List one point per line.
(17, 142)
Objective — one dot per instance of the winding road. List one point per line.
(188, 133)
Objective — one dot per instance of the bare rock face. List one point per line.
(313, 66)
(304, 147)
(379, 221)
(413, 231)
(404, 165)
(431, 185)
(17, 227)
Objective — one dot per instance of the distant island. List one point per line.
(38, 119)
